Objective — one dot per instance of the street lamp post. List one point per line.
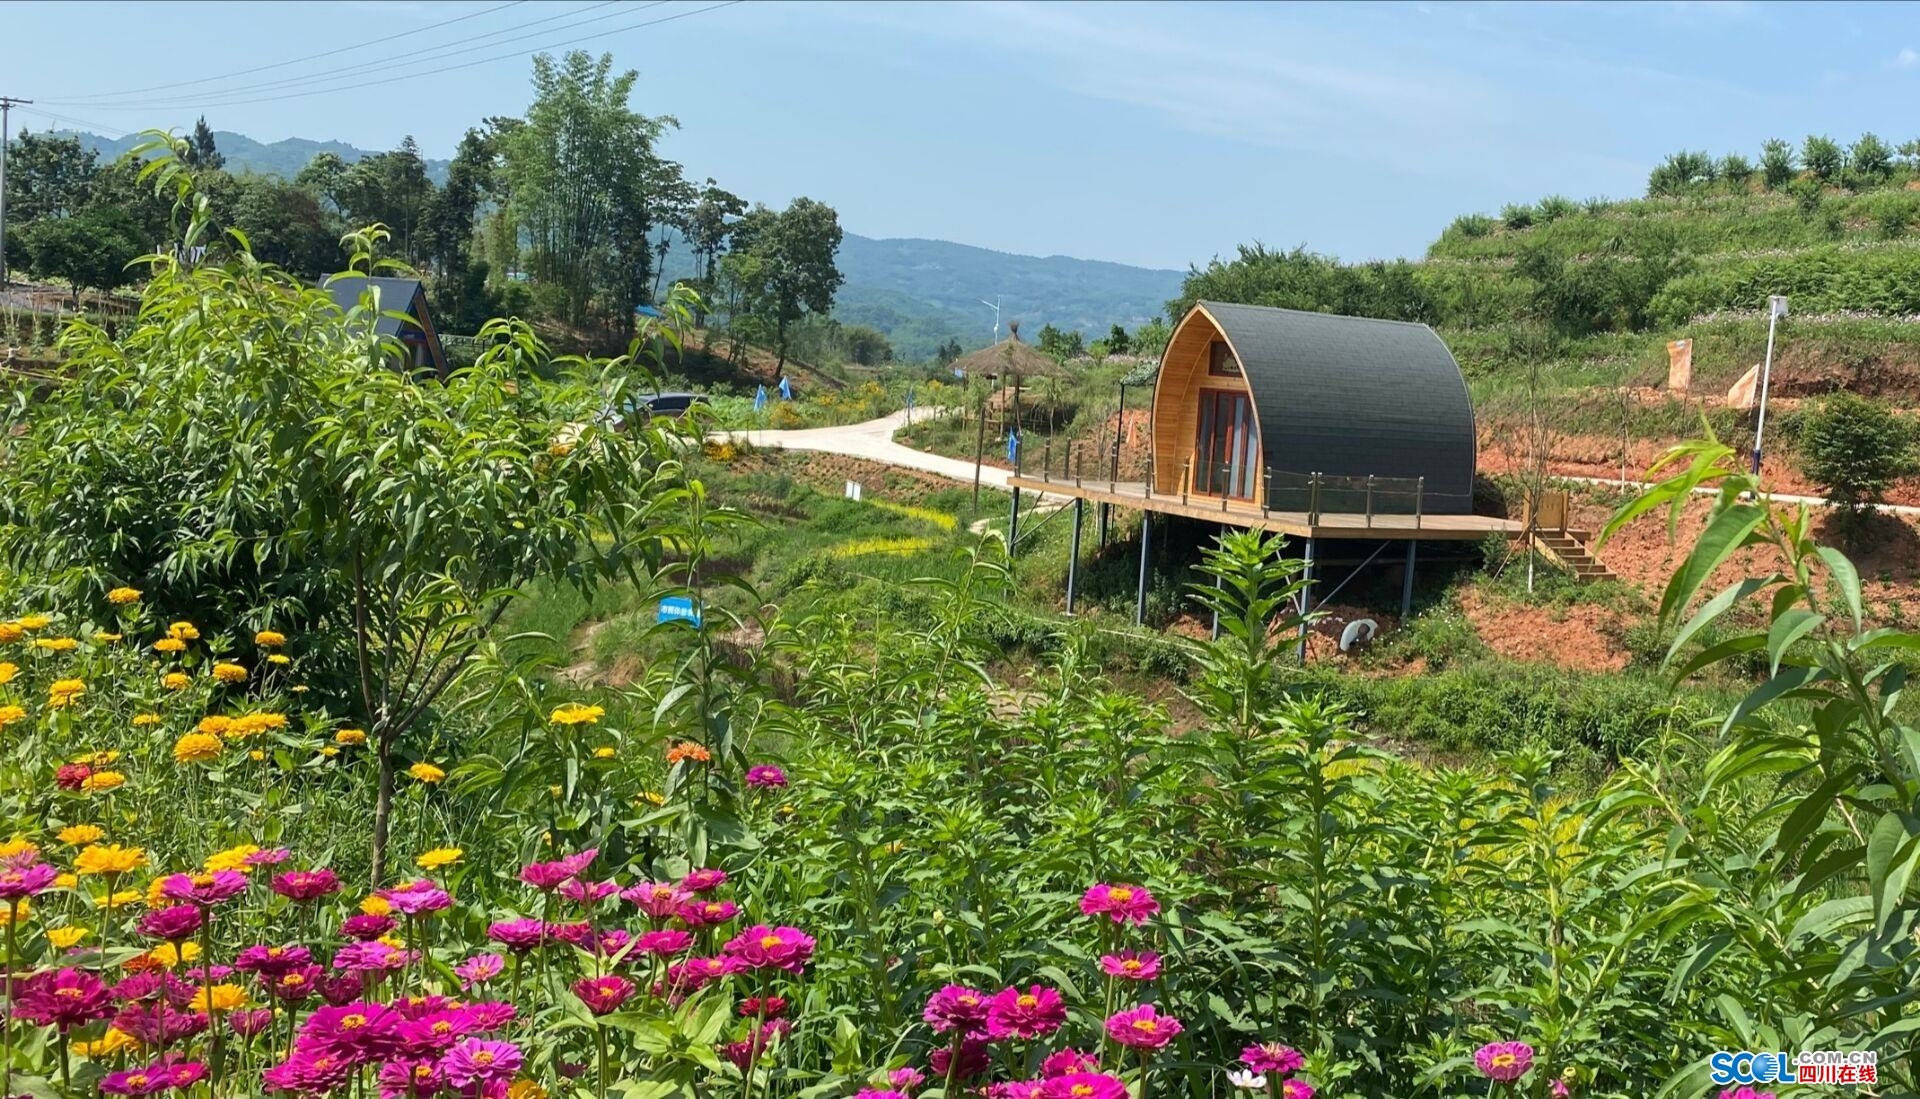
(1776, 308)
(995, 306)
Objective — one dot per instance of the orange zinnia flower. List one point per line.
(687, 749)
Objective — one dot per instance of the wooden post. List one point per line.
(1369, 499)
(1266, 493)
(1419, 499)
(1046, 459)
(1140, 593)
(1186, 470)
(979, 449)
(1013, 524)
(1073, 552)
(1306, 602)
(1406, 586)
(1313, 499)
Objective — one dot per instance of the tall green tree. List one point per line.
(1823, 157)
(454, 207)
(794, 274)
(711, 223)
(586, 187)
(392, 188)
(202, 153)
(47, 177)
(326, 176)
(1776, 163)
(90, 250)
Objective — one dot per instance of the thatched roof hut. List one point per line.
(1011, 358)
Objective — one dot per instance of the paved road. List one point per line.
(873, 440)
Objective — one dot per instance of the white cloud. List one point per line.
(1907, 58)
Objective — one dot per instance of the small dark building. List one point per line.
(406, 296)
(1252, 400)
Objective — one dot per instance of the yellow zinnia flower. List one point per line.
(108, 1044)
(62, 692)
(375, 905)
(184, 631)
(574, 713)
(233, 858)
(350, 736)
(281, 659)
(256, 755)
(229, 673)
(65, 881)
(34, 621)
(176, 681)
(56, 644)
(214, 724)
(20, 850)
(11, 714)
(104, 637)
(427, 773)
(168, 956)
(79, 835)
(98, 759)
(522, 1088)
(10, 632)
(169, 645)
(109, 859)
(141, 721)
(120, 597)
(605, 751)
(64, 938)
(118, 899)
(8, 671)
(24, 912)
(100, 782)
(653, 797)
(247, 725)
(196, 748)
(439, 857)
(215, 999)
(269, 639)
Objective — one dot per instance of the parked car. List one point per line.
(646, 406)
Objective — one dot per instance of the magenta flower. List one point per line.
(879, 1093)
(973, 1060)
(703, 881)
(308, 1072)
(1017, 1089)
(64, 998)
(707, 913)
(906, 1079)
(479, 969)
(170, 1073)
(1295, 1089)
(1125, 903)
(153, 985)
(306, 885)
(1083, 1085)
(367, 926)
(1559, 1090)
(418, 897)
(360, 1032)
(248, 1023)
(657, 899)
(518, 935)
(270, 856)
(175, 923)
(763, 947)
(371, 957)
(603, 995)
(271, 961)
(486, 1015)
(743, 1053)
(1143, 1027)
(766, 777)
(343, 989)
(1744, 1093)
(478, 1062)
(1131, 965)
(1272, 1057)
(547, 876)
(1504, 1061)
(203, 889)
(1035, 1013)
(1068, 1061)
(695, 973)
(434, 1033)
(17, 883)
(664, 943)
(159, 1024)
(957, 1007)
(588, 892)
(410, 1078)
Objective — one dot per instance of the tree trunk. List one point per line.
(382, 805)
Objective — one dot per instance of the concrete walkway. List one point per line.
(1778, 498)
(873, 440)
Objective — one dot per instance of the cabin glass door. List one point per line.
(1226, 452)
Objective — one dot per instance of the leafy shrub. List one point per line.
(1870, 158)
(1471, 225)
(1681, 172)
(1776, 163)
(1735, 169)
(1553, 208)
(1856, 448)
(1823, 157)
(1516, 215)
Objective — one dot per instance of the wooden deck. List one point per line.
(1296, 524)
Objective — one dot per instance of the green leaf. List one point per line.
(1846, 577)
(1891, 853)
(1791, 626)
(1712, 609)
(1727, 533)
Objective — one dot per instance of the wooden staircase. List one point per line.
(1569, 548)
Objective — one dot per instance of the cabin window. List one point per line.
(1221, 363)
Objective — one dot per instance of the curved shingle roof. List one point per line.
(1355, 396)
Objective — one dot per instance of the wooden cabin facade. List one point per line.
(1288, 410)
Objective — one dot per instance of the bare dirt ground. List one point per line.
(1584, 635)
(1593, 456)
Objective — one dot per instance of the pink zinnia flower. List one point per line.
(248, 1023)
(703, 881)
(308, 1072)
(743, 1053)
(360, 1032)
(664, 943)
(588, 892)
(603, 995)
(72, 776)
(656, 899)
(410, 1078)
(547, 876)
(763, 947)
(1035, 1013)
(956, 1007)
(488, 1015)
(518, 935)
(1295, 1089)
(1504, 1061)
(1068, 1061)
(17, 883)
(418, 897)
(697, 972)
(1125, 903)
(64, 998)
(1017, 1089)
(766, 777)
(203, 889)
(478, 1062)
(1558, 1089)
(973, 1060)
(270, 856)
(879, 1093)
(372, 956)
(159, 1023)
(170, 1073)
(435, 1032)
(771, 1007)
(306, 885)
(1143, 1027)
(1131, 965)
(1745, 1093)
(1272, 1057)
(479, 969)
(367, 926)
(343, 989)
(1083, 1085)
(271, 961)
(706, 913)
(906, 1079)
(174, 923)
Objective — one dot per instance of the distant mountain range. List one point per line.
(921, 293)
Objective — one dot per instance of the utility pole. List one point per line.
(1776, 308)
(7, 104)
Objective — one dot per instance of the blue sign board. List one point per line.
(679, 608)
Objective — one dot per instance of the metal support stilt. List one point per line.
(1013, 525)
(1406, 585)
(1306, 600)
(1215, 634)
(1104, 511)
(1140, 595)
(1073, 553)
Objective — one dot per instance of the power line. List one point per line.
(96, 127)
(294, 61)
(361, 84)
(218, 97)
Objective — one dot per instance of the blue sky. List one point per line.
(1151, 134)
